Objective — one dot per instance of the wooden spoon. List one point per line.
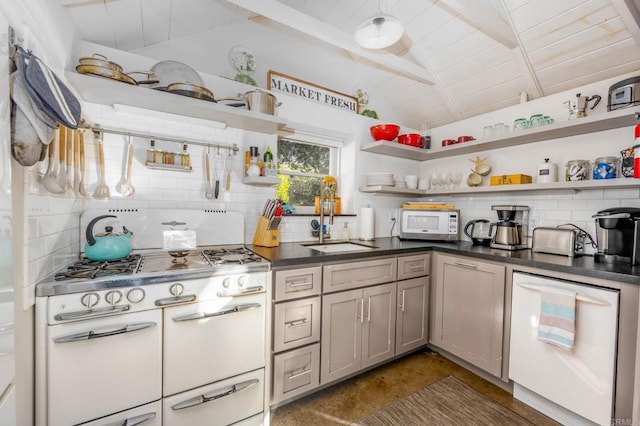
(125, 187)
(61, 177)
(81, 190)
(208, 192)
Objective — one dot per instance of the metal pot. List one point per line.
(108, 245)
(479, 231)
(260, 101)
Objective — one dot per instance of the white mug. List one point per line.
(412, 181)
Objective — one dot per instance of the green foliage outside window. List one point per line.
(304, 165)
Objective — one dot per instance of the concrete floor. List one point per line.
(356, 398)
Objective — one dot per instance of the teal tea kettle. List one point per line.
(107, 245)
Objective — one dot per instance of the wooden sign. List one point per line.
(278, 82)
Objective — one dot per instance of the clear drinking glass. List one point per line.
(537, 120)
(487, 132)
(520, 124)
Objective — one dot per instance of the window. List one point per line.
(302, 164)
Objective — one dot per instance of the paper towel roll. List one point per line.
(367, 223)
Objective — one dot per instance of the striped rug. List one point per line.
(445, 402)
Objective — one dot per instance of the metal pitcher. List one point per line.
(578, 106)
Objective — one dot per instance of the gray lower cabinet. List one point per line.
(468, 307)
(296, 332)
(358, 330)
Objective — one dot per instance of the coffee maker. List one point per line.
(618, 235)
(510, 231)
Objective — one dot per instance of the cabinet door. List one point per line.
(345, 276)
(295, 372)
(413, 314)
(378, 328)
(469, 310)
(342, 317)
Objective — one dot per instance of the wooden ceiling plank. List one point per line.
(298, 21)
(484, 19)
(630, 15)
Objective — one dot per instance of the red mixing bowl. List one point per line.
(385, 132)
(412, 139)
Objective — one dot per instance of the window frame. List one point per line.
(334, 144)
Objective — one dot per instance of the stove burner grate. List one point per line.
(85, 268)
(238, 255)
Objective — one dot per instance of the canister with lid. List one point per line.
(577, 170)
(605, 168)
(547, 172)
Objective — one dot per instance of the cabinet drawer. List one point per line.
(296, 283)
(346, 276)
(296, 323)
(414, 266)
(295, 372)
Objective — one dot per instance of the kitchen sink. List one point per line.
(338, 247)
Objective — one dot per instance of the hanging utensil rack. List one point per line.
(98, 131)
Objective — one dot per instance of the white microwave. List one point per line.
(428, 224)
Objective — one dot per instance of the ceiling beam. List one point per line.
(630, 15)
(488, 22)
(285, 15)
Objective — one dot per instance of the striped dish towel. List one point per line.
(557, 324)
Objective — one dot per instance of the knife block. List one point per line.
(265, 237)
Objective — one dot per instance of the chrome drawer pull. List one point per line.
(245, 292)
(296, 375)
(176, 300)
(202, 315)
(297, 323)
(134, 421)
(466, 265)
(206, 398)
(418, 267)
(87, 335)
(301, 284)
(92, 313)
(402, 305)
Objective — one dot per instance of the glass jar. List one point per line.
(577, 170)
(605, 168)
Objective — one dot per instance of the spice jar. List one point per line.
(605, 168)
(577, 170)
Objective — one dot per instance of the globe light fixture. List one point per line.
(379, 31)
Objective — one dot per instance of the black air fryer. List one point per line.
(618, 235)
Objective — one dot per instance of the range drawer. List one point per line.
(345, 276)
(414, 266)
(297, 283)
(296, 323)
(295, 372)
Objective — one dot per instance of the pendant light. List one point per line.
(379, 31)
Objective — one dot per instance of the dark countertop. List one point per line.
(296, 254)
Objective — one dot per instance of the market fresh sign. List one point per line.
(292, 86)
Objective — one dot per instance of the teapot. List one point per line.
(107, 245)
(578, 106)
(479, 231)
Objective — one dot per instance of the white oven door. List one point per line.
(145, 415)
(101, 366)
(222, 403)
(213, 340)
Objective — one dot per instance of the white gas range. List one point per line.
(159, 337)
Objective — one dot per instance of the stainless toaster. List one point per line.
(562, 241)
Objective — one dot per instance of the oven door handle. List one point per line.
(176, 300)
(202, 315)
(201, 399)
(87, 335)
(134, 421)
(244, 292)
(92, 313)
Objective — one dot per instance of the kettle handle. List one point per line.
(466, 228)
(597, 98)
(89, 232)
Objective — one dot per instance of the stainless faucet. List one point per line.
(323, 194)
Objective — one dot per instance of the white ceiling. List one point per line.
(457, 59)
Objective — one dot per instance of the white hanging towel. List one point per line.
(557, 324)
